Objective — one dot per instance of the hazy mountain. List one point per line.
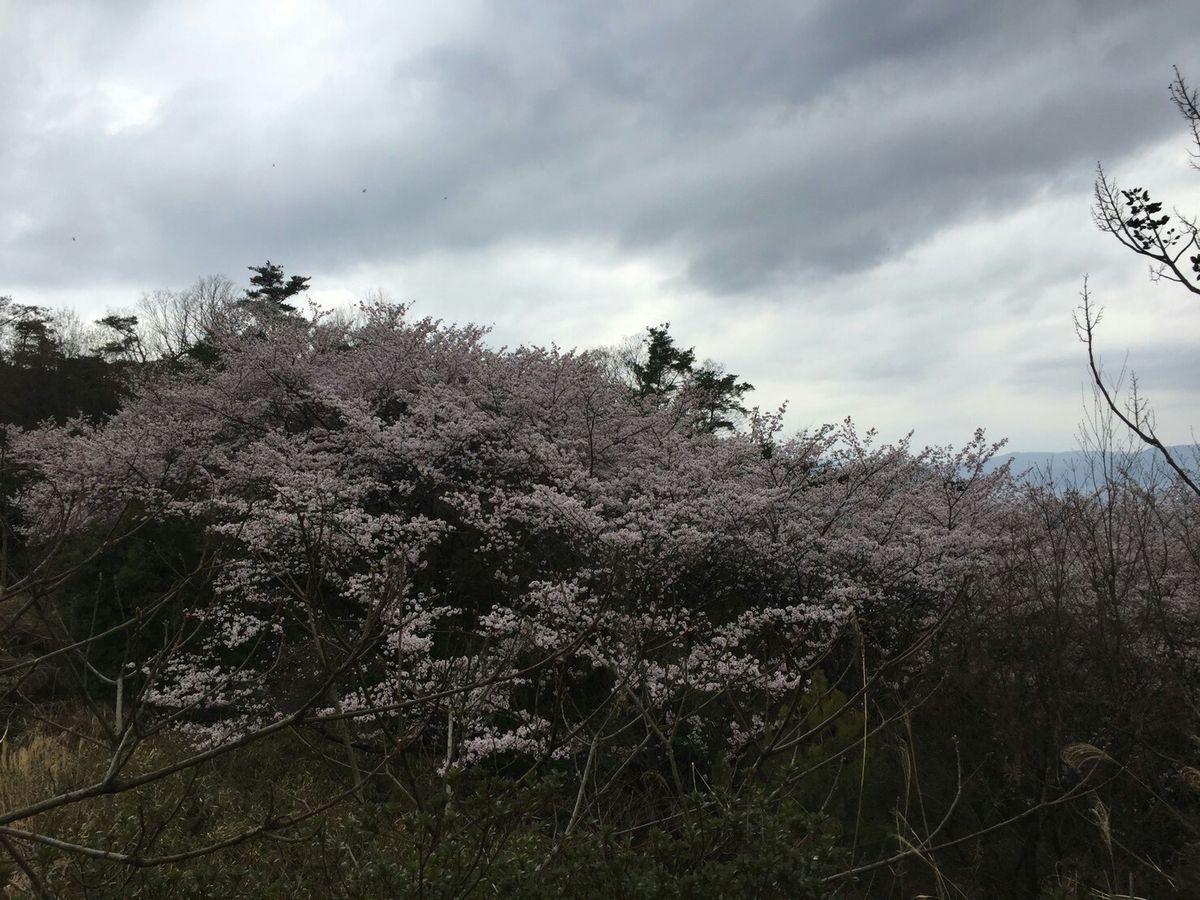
(1075, 467)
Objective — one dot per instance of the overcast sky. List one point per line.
(877, 209)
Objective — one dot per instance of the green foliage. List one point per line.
(499, 837)
(270, 291)
(126, 343)
(718, 395)
(708, 394)
(41, 380)
(665, 366)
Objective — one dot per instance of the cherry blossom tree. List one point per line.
(408, 542)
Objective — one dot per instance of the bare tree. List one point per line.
(76, 336)
(1171, 241)
(174, 321)
(619, 360)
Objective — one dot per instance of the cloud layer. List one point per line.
(885, 203)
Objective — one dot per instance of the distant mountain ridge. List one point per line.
(1072, 467)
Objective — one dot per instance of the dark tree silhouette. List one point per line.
(126, 343)
(708, 394)
(270, 290)
(666, 366)
(718, 395)
(1172, 244)
(40, 380)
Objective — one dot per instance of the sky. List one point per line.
(878, 209)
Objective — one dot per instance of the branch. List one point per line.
(1085, 328)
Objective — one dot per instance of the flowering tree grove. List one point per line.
(410, 552)
(413, 540)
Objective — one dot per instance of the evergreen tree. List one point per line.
(709, 394)
(126, 343)
(717, 395)
(270, 291)
(666, 366)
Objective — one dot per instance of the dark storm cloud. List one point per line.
(760, 144)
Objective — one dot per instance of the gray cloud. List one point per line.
(762, 142)
(762, 152)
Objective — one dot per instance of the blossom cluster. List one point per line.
(506, 552)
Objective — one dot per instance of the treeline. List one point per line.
(55, 366)
(45, 374)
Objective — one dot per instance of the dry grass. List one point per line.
(35, 766)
